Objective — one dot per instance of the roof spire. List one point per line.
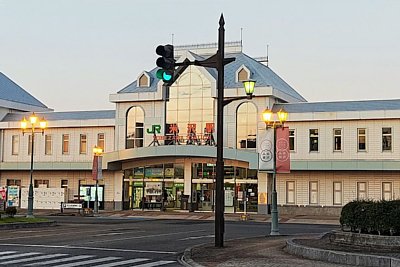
(267, 55)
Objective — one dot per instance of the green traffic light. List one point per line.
(164, 75)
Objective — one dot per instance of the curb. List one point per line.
(354, 259)
(186, 259)
(10, 226)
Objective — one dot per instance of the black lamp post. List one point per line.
(269, 123)
(33, 120)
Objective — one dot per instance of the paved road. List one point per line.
(106, 242)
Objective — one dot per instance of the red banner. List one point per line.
(282, 150)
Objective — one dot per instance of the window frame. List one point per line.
(387, 192)
(48, 144)
(101, 141)
(362, 194)
(83, 144)
(335, 136)
(311, 138)
(340, 191)
(65, 144)
(15, 145)
(358, 139)
(292, 140)
(312, 192)
(386, 135)
(290, 193)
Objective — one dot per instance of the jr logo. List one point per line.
(154, 129)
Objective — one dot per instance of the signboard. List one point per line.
(72, 206)
(13, 196)
(3, 192)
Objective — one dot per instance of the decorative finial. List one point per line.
(221, 20)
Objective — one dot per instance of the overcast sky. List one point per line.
(72, 54)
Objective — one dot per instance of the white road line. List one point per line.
(118, 263)
(197, 237)
(93, 248)
(7, 252)
(33, 258)
(18, 255)
(142, 236)
(81, 263)
(80, 257)
(156, 263)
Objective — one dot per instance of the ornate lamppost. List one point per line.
(270, 123)
(36, 126)
(97, 174)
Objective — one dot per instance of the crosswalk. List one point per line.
(15, 258)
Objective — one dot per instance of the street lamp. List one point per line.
(34, 123)
(270, 123)
(97, 155)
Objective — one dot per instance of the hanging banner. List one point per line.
(99, 167)
(266, 150)
(95, 167)
(282, 150)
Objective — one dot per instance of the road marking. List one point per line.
(81, 263)
(118, 263)
(93, 248)
(18, 255)
(7, 252)
(197, 237)
(156, 263)
(142, 236)
(34, 258)
(80, 257)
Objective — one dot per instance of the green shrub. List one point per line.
(11, 211)
(374, 217)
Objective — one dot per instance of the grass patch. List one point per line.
(5, 219)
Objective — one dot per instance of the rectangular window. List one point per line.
(29, 144)
(15, 145)
(83, 144)
(387, 191)
(101, 141)
(290, 192)
(292, 140)
(361, 190)
(65, 143)
(362, 139)
(386, 139)
(48, 144)
(337, 139)
(313, 193)
(41, 183)
(313, 139)
(13, 182)
(64, 183)
(337, 193)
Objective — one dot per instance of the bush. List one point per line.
(11, 211)
(373, 217)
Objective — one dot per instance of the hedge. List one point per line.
(372, 217)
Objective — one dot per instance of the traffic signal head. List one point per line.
(166, 62)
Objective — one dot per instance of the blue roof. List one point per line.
(259, 72)
(365, 105)
(70, 115)
(11, 91)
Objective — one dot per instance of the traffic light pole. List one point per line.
(219, 194)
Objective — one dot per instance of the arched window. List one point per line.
(246, 126)
(134, 127)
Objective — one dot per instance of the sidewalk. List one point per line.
(253, 252)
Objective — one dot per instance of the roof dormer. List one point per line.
(242, 74)
(143, 79)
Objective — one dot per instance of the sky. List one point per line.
(72, 54)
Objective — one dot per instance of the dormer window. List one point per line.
(144, 80)
(242, 74)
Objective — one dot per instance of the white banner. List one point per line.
(266, 150)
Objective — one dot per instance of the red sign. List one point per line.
(282, 150)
